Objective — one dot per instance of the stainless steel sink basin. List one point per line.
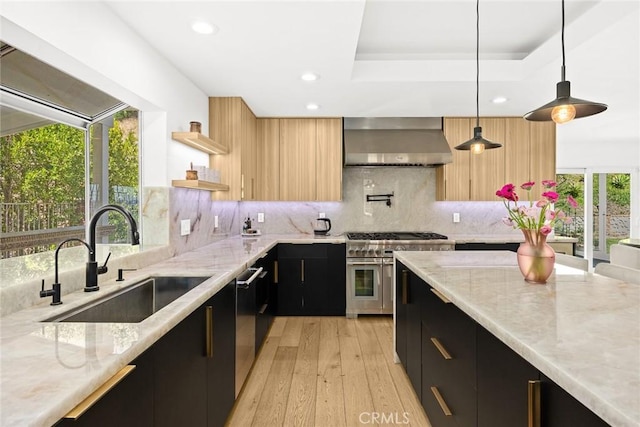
(134, 303)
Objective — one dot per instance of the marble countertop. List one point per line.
(582, 330)
(48, 368)
(503, 238)
(630, 242)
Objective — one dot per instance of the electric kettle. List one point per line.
(323, 225)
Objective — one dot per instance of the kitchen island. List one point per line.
(581, 330)
(47, 368)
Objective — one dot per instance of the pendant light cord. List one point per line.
(562, 42)
(478, 63)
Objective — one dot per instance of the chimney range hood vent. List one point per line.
(395, 141)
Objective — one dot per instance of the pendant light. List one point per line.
(564, 108)
(477, 144)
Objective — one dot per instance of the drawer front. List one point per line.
(441, 369)
(290, 250)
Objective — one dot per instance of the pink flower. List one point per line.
(551, 196)
(548, 183)
(527, 185)
(550, 215)
(545, 230)
(542, 203)
(507, 192)
(507, 221)
(572, 202)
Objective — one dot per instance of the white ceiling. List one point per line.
(393, 58)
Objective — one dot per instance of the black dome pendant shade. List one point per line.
(564, 108)
(477, 144)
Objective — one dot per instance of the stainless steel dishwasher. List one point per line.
(245, 324)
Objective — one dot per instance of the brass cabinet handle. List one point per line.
(241, 186)
(405, 284)
(93, 398)
(442, 297)
(534, 408)
(253, 194)
(263, 308)
(443, 351)
(441, 402)
(302, 269)
(209, 331)
(275, 271)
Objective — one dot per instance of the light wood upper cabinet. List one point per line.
(329, 160)
(268, 135)
(527, 154)
(233, 124)
(517, 144)
(487, 169)
(542, 151)
(452, 179)
(530, 153)
(298, 159)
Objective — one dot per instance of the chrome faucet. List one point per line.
(93, 270)
(54, 292)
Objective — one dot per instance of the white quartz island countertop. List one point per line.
(48, 368)
(582, 330)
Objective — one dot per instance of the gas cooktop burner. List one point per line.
(396, 235)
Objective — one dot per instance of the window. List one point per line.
(66, 150)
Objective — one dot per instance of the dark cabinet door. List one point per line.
(337, 280)
(220, 368)
(417, 290)
(181, 373)
(129, 403)
(194, 383)
(311, 279)
(289, 287)
(265, 297)
(559, 409)
(503, 377)
(315, 286)
(409, 291)
(402, 291)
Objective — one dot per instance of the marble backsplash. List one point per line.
(413, 207)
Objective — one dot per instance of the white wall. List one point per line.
(87, 40)
(612, 138)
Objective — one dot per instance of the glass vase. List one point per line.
(535, 257)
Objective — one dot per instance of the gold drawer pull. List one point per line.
(441, 402)
(93, 398)
(275, 271)
(405, 287)
(442, 297)
(209, 331)
(533, 404)
(443, 351)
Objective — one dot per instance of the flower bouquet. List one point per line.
(536, 219)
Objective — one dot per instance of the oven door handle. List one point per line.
(352, 263)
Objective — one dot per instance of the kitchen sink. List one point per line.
(134, 303)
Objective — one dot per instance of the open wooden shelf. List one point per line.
(199, 141)
(199, 185)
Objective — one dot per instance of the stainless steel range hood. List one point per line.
(395, 141)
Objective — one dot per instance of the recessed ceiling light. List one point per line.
(309, 77)
(499, 100)
(312, 106)
(203, 27)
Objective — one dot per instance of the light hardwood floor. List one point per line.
(328, 372)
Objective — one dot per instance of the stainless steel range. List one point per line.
(370, 266)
